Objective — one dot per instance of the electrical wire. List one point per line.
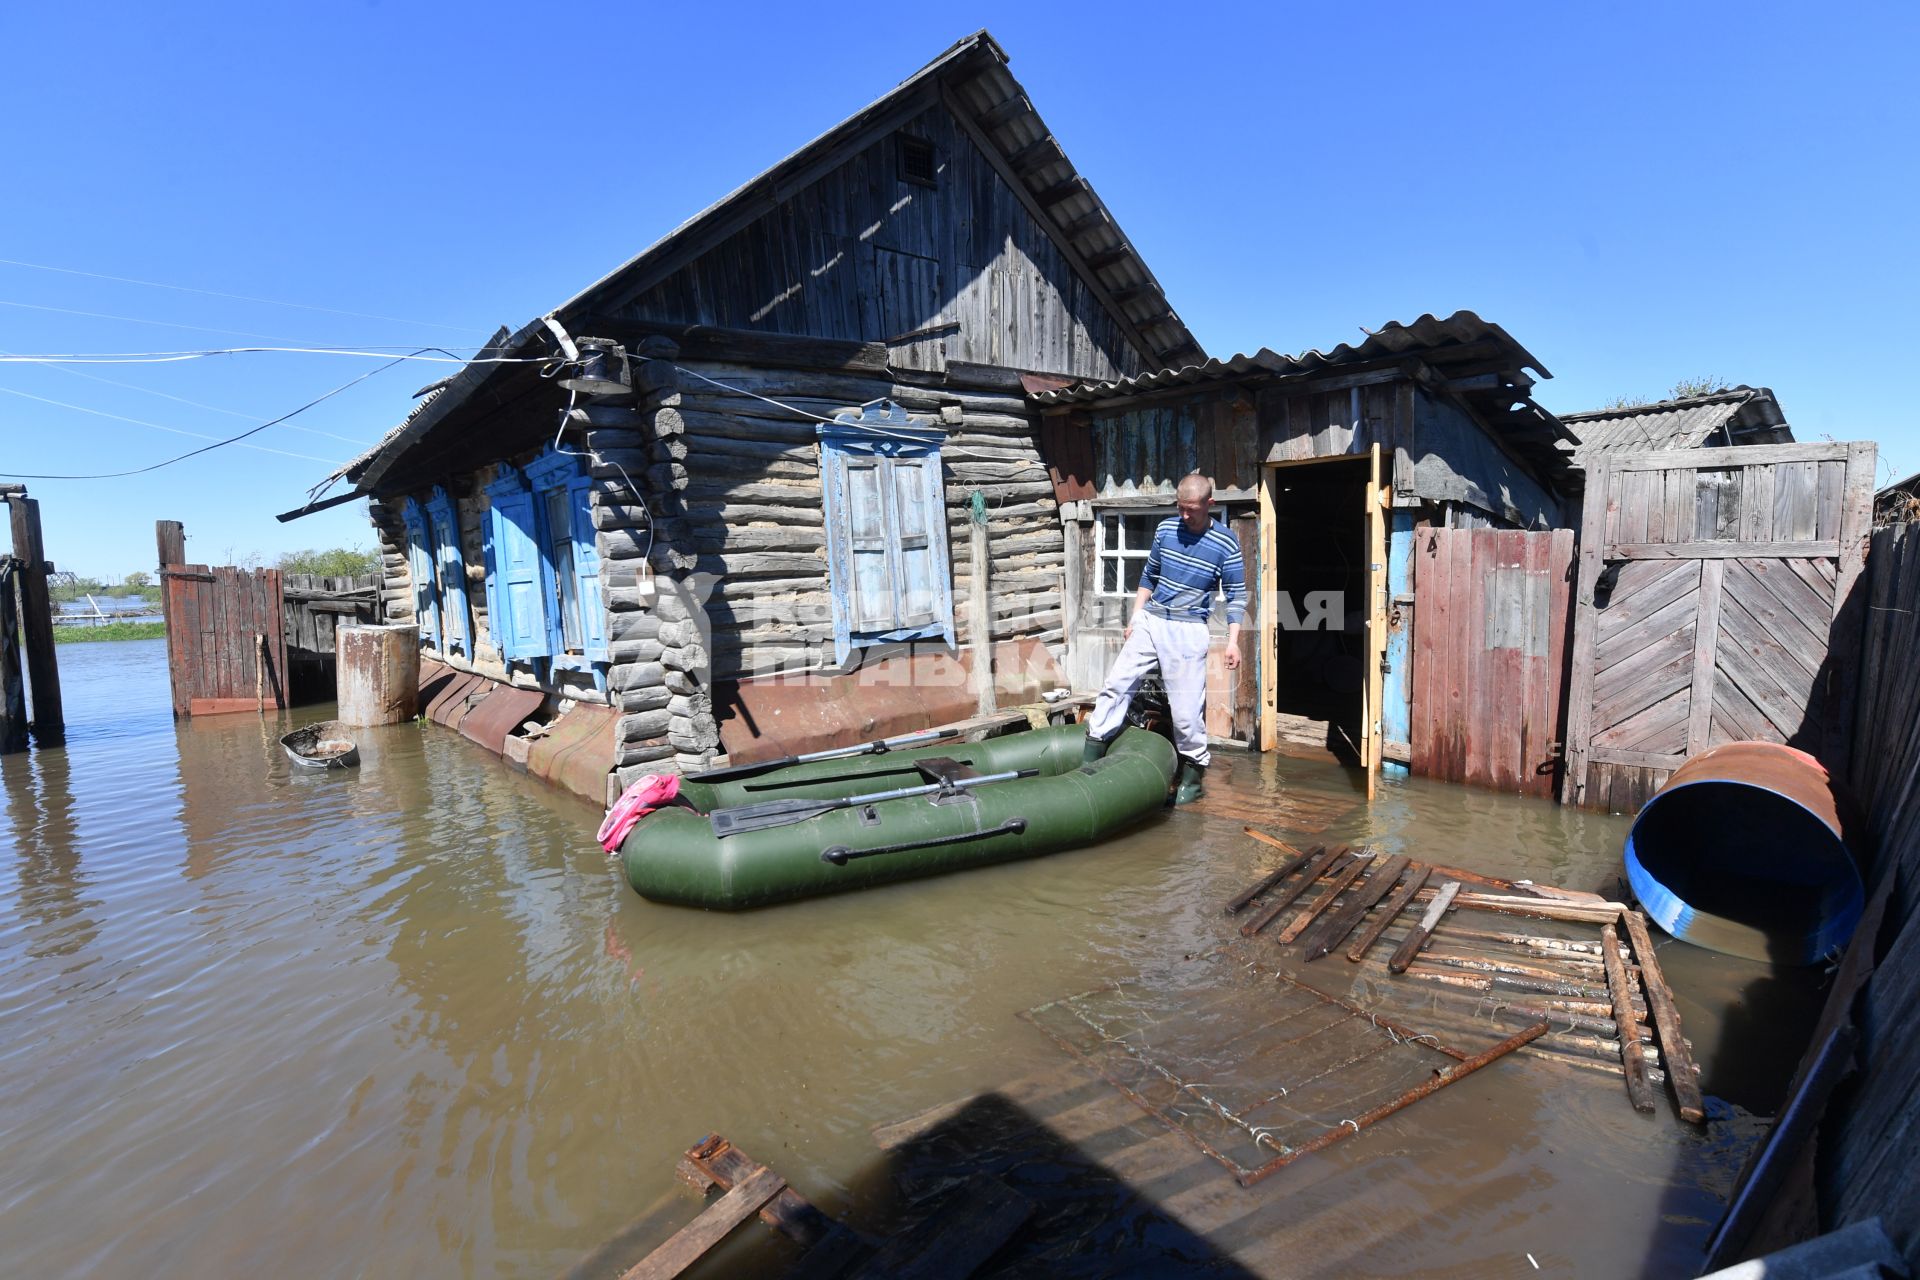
(157, 426)
(236, 297)
(632, 488)
(372, 351)
(191, 404)
(945, 450)
(140, 471)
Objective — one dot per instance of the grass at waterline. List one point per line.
(111, 631)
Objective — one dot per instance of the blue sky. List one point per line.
(1639, 194)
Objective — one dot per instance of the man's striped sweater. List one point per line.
(1185, 568)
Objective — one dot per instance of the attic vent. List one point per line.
(917, 163)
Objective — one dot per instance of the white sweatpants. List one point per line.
(1181, 650)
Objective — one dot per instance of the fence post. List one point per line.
(36, 621)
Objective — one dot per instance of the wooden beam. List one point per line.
(1723, 551)
(1062, 191)
(1633, 1056)
(1000, 113)
(1681, 1075)
(745, 346)
(1039, 153)
(36, 621)
(1737, 456)
(688, 1244)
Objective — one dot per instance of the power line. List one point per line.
(372, 351)
(115, 475)
(157, 426)
(236, 297)
(194, 404)
(164, 324)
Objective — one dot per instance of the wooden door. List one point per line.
(1490, 640)
(1718, 601)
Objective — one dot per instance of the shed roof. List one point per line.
(1471, 358)
(971, 79)
(1679, 424)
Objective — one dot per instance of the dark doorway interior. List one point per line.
(1321, 563)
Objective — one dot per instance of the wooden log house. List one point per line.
(820, 465)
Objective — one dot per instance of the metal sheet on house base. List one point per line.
(910, 688)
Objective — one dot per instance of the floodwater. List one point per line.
(408, 1020)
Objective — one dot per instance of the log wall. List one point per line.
(737, 553)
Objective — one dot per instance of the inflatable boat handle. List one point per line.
(839, 855)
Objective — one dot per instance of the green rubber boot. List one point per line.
(1192, 778)
(1095, 749)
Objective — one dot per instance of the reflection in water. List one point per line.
(408, 1018)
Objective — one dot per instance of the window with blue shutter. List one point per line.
(886, 530)
(443, 527)
(426, 597)
(545, 570)
(517, 575)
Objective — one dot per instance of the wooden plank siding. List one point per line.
(1490, 630)
(1717, 603)
(956, 271)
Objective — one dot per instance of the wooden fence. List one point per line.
(1490, 627)
(1866, 1161)
(226, 632)
(1716, 603)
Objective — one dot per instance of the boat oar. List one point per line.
(879, 746)
(779, 813)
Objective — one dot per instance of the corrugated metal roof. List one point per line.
(1425, 335)
(1725, 417)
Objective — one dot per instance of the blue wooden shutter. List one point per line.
(586, 566)
(456, 622)
(426, 604)
(490, 578)
(521, 632)
(552, 470)
(886, 530)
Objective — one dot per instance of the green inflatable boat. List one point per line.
(790, 833)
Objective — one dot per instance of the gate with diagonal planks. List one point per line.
(1719, 600)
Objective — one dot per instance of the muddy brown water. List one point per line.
(409, 1020)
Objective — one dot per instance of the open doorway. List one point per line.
(1320, 581)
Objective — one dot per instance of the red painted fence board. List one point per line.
(1490, 646)
(221, 624)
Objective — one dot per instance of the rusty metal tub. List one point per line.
(1745, 851)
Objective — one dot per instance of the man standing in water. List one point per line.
(1193, 556)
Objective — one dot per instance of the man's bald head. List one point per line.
(1196, 488)
(1195, 497)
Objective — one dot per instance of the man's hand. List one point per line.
(1126, 632)
(1232, 656)
(1232, 659)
